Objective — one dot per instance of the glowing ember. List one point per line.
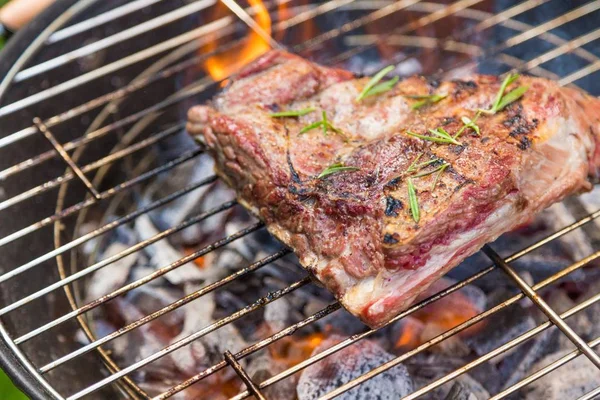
(292, 351)
(222, 65)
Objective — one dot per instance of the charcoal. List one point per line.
(263, 367)
(112, 276)
(426, 368)
(349, 363)
(460, 392)
(506, 325)
(517, 365)
(570, 381)
(163, 254)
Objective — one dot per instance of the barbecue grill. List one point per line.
(92, 89)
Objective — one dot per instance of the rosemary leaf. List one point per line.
(443, 134)
(437, 177)
(310, 127)
(325, 123)
(433, 171)
(334, 169)
(382, 87)
(367, 90)
(412, 200)
(511, 97)
(413, 166)
(469, 123)
(293, 113)
(503, 100)
(428, 138)
(426, 100)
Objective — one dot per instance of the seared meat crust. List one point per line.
(354, 229)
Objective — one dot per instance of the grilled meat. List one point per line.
(355, 228)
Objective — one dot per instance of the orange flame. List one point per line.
(220, 66)
(292, 351)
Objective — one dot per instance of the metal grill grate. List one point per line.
(67, 43)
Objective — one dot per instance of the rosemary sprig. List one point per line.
(292, 113)
(413, 201)
(469, 123)
(433, 171)
(336, 168)
(439, 173)
(373, 87)
(440, 136)
(417, 167)
(503, 100)
(325, 125)
(425, 100)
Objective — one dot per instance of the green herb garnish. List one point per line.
(469, 123)
(503, 100)
(293, 113)
(437, 177)
(417, 167)
(325, 125)
(412, 200)
(425, 100)
(373, 87)
(433, 171)
(439, 136)
(334, 169)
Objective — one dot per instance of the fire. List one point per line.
(438, 317)
(200, 261)
(291, 351)
(221, 65)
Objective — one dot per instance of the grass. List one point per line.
(7, 390)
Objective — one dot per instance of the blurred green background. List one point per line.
(7, 390)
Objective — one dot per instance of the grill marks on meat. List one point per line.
(354, 230)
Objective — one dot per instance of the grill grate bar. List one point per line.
(313, 359)
(118, 155)
(458, 328)
(543, 306)
(590, 395)
(188, 339)
(247, 19)
(191, 90)
(547, 369)
(116, 257)
(66, 158)
(106, 228)
(563, 49)
(142, 281)
(173, 306)
(553, 23)
(589, 69)
(506, 15)
(115, 39)
(24, 133)
(107, 194)
(251, 349)
(101, 19)
(499, 350)
(217, 27)
(243, 375)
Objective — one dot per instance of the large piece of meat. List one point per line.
(355, 230)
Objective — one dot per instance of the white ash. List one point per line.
(162, 254)
(570, 381)
(263, 367)
(348, 364)
(575, 243)
(112, 276)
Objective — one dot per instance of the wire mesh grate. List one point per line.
(186, 47)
